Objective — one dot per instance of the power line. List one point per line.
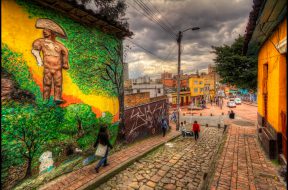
(145, 49)
(152, 19)
(165, 21)
(148, 11)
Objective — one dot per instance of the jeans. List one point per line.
(164, 131)
(103, 160)
(196, 135)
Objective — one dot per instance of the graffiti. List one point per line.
(145, 120)
(55, 57)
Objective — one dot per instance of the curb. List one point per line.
(208, 176)
(250, 104)
(106, 176)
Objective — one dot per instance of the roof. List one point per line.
(79, 13)
(263, 20)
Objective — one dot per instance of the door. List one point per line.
(265, 94)
(182, 101)
(187, 100)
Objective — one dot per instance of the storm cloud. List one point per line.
(221, 21)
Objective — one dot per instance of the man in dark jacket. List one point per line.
(103, 139)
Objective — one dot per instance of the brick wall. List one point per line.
(131, 100)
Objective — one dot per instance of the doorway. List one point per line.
(265, 94)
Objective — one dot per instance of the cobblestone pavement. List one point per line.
(243, 164)
(180, 164)
(79, 178)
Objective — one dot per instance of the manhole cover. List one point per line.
(243, 123)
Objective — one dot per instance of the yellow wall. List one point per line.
(276, 77)
(192, 85)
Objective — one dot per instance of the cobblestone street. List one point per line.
(243, 165)
(180, 164)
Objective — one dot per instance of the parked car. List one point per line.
(231, 104)
(237, 101)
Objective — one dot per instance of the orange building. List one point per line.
(272, 75)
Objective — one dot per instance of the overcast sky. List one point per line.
(221, 21)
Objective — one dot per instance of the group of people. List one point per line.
(194, 132)
(103, 138)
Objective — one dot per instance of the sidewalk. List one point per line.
(243, 165)
(86, 176)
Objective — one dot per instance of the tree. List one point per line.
(26, 129)
(79, 125)
(235, 68)
(111, 9)
(112, 70)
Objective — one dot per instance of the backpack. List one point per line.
(164, 124)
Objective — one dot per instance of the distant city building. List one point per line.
(125, 71)
(146, 84)
(142, 80)
(170, 82)
(155, 89)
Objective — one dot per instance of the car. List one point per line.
(237, 101)
(231, 104)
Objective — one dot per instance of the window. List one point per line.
(159, 90)
(195, 89)
(195, 82)
(138, 90)
(200, 82)
(201, 89)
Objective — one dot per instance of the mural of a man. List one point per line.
(55, 57)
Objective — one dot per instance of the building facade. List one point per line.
(185, 99)
(62, 100)
(196, 85)
(154, 89)
(272, 76)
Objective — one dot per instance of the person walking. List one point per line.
(196, 130)
(102, 143)
(164, 126)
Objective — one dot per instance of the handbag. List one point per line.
(101, 150)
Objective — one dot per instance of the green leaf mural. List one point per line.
(86, 49)
(29, 129)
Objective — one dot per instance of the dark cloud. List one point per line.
(221, 21)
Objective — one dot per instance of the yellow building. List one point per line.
(196, 86)
(272, 77)
(209, 91)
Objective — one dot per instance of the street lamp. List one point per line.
(179, 38)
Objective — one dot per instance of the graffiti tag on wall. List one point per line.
(145, 120)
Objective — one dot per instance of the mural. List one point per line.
(55, 57)
(145, 120)
(33, 126)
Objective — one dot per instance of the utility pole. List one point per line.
(178, 79)
(179, 38)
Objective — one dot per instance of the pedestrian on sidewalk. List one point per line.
(164, 126)
(196, 130)
(102, 143)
